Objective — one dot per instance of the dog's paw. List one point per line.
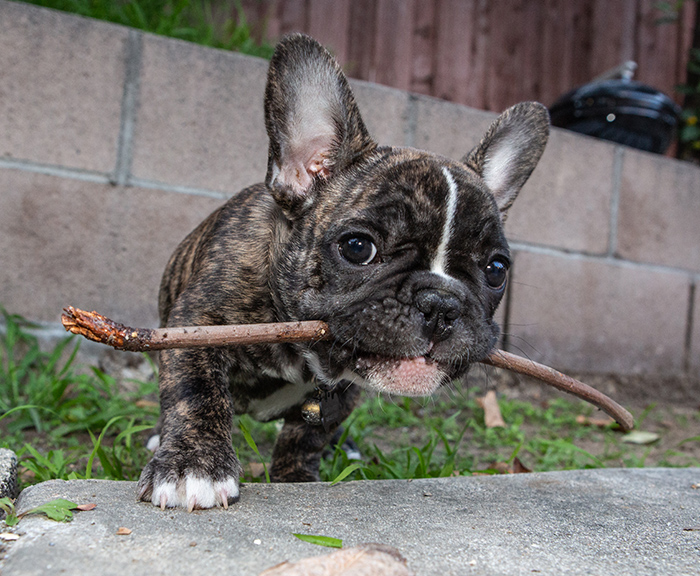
(194, 492)
(162, 485)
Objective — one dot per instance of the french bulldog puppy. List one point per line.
(400, 251)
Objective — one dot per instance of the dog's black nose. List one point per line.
(440, 309)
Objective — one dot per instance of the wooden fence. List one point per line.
(488, 54)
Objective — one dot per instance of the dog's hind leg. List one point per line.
(299, 447)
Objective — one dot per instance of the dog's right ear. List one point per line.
(312, 120)
(510, 150)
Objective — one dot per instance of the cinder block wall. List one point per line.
(114, 144)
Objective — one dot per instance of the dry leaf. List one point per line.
(363, 560)
(518, 467)
(9, 536)
(515, 467)
(146, 404)
(597, 422)
(492, 413)
(640, 437)
(123, 531)
(86, 507)
(256, 469)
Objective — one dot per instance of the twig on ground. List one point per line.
(98, 328)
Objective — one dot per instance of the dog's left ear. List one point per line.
(510, 150)
(312, 120)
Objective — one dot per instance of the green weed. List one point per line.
(215, 24)
(53, 412)
(66, 423)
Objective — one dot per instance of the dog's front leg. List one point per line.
(195, 465)
(297, 452)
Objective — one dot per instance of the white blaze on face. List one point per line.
(439, 264)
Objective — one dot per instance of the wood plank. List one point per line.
(328, 21)
(557, 33)
(291, 16)
(613, 34)
(361, 35)
(393, 43)
(454, 70)
(513, 56)
(657, 49)
(686, 24)
(423, 47)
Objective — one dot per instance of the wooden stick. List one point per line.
(552, 377)
(98, 328)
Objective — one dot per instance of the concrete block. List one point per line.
(694, 348)
(93, 246)
(659, 208)
(566, 202)
(61, 89)
(590, 315)
(200, 120)
(446, 128)
(384, 110)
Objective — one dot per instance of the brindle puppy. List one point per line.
(401, 251)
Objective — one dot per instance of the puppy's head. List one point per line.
(401, 251)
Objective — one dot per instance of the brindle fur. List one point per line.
(271, 253)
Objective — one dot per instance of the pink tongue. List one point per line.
(407, 377)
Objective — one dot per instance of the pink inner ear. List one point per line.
(295, 176)
(319, 165)
(302, 163)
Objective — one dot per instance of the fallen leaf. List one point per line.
(364, 559)
(514, 467)
(86, 507)
(597, 422)
(122, 531)
(320, 540)
(492, 412)
(640, 437)
(9, 536)
(146, 404)
(58, 509)
(499, 467)
(518, 467)
(256, 469)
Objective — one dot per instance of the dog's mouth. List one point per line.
(410, 376)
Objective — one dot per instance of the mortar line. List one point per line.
(104, 178)
(177, 189)
(614, 260)
(618, 159)
(411, 122)
(55, 170)
(689, 327)
(129, 108)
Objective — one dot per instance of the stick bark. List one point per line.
(98, 328)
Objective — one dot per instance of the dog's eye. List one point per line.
(358, 250)
(496, 272)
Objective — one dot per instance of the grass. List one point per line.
(218, 24)
(67, 422)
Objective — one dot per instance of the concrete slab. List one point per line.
(624, 521)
